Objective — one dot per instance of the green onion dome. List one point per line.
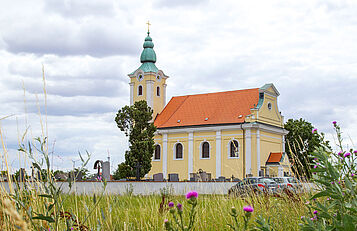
(148, 54)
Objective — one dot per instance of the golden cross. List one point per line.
(148, 25)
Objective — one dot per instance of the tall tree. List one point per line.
(136, 122)
(301, 141)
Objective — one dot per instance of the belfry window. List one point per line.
(158, 91)
(140, 90)
(205, 150)
(234, 149)
(157, 152)
(178, 151)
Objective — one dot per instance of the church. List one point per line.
(225, 134)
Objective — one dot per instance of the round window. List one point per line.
(269, 106)
(158, 78)
(140, 77)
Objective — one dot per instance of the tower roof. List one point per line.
(148, 54)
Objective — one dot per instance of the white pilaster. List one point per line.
(258, 152)
(248, 151)
(149, 93)
(164, 94)
(164, 155)
(218, 153)
(131, 93)
(190, 153)
(283, 148)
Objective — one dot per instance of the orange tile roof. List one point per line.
(274, 157)
(208, 109)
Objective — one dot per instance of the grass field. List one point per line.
(125, 212)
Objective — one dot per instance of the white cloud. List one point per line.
(306, 48)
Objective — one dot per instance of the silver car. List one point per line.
(255, 185)
(290, 183)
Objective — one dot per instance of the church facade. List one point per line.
(234, 133)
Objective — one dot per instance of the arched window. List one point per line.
(158, 91)
(157, 152)
(140, 90)
(178, 151)
(234, 149)
(205, 150)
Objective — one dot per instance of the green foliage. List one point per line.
(334, 205)
(135, 121)
(301, 141)
(123, 171)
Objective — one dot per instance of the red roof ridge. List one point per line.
(219, 92)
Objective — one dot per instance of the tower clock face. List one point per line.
(140, 77)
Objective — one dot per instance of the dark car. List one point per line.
(254, 185)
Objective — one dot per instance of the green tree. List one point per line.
(136, 122)
(301, 141)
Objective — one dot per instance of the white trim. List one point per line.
(218, 153)
(234, 135)
(131, 93)
(164, 94)
(149, 93)
(283, 143)
(175, 138)
(248, 151)
(277, 138)
(210, 150)
(153, 158)
(229, 148)
(205, 136)
(174, 151)
(258, 152)
(190, 154)
(142, 90)
(164, 156)
(263, 127)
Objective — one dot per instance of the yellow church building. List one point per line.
(233, 133)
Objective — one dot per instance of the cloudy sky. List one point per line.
(308, 49)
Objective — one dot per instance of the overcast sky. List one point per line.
(308, 49)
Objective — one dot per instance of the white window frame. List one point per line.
(209, 149)
(153, 158)
(174, 151)
(142, 90)
(229, 149)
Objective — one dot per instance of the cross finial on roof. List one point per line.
(148, 26)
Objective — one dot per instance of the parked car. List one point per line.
(255, 185)
(290, 183)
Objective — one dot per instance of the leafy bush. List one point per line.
(334, 205)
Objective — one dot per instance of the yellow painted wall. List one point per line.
(269, 142)
(231, 166)
(207, 165)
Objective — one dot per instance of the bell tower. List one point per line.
(148, 82)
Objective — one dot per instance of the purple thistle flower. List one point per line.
(248, 209)
(312, 218)
(165, 221)
(328, 198)
(191, 194)
(347, 155)
(332, 182)
(352, 174)
(171, 204)
(315, 212)
(315, 166)
(314, 130)
(355, 151)
(340, 153)
(334, 122)
(179, 206)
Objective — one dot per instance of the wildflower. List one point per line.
(347, 155)
(314, 199)
(307, 202)
(355, 151)
(302, 217)
(171, 204)
(315, 166)
(352, 174)
(165, 221)
(334, 122)
(340, 153)
(191, 194)
(248, 209)
(328, 198)
(315, 212)
(314, 130)
(179, 207)
(332, 182)
(315, 158)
